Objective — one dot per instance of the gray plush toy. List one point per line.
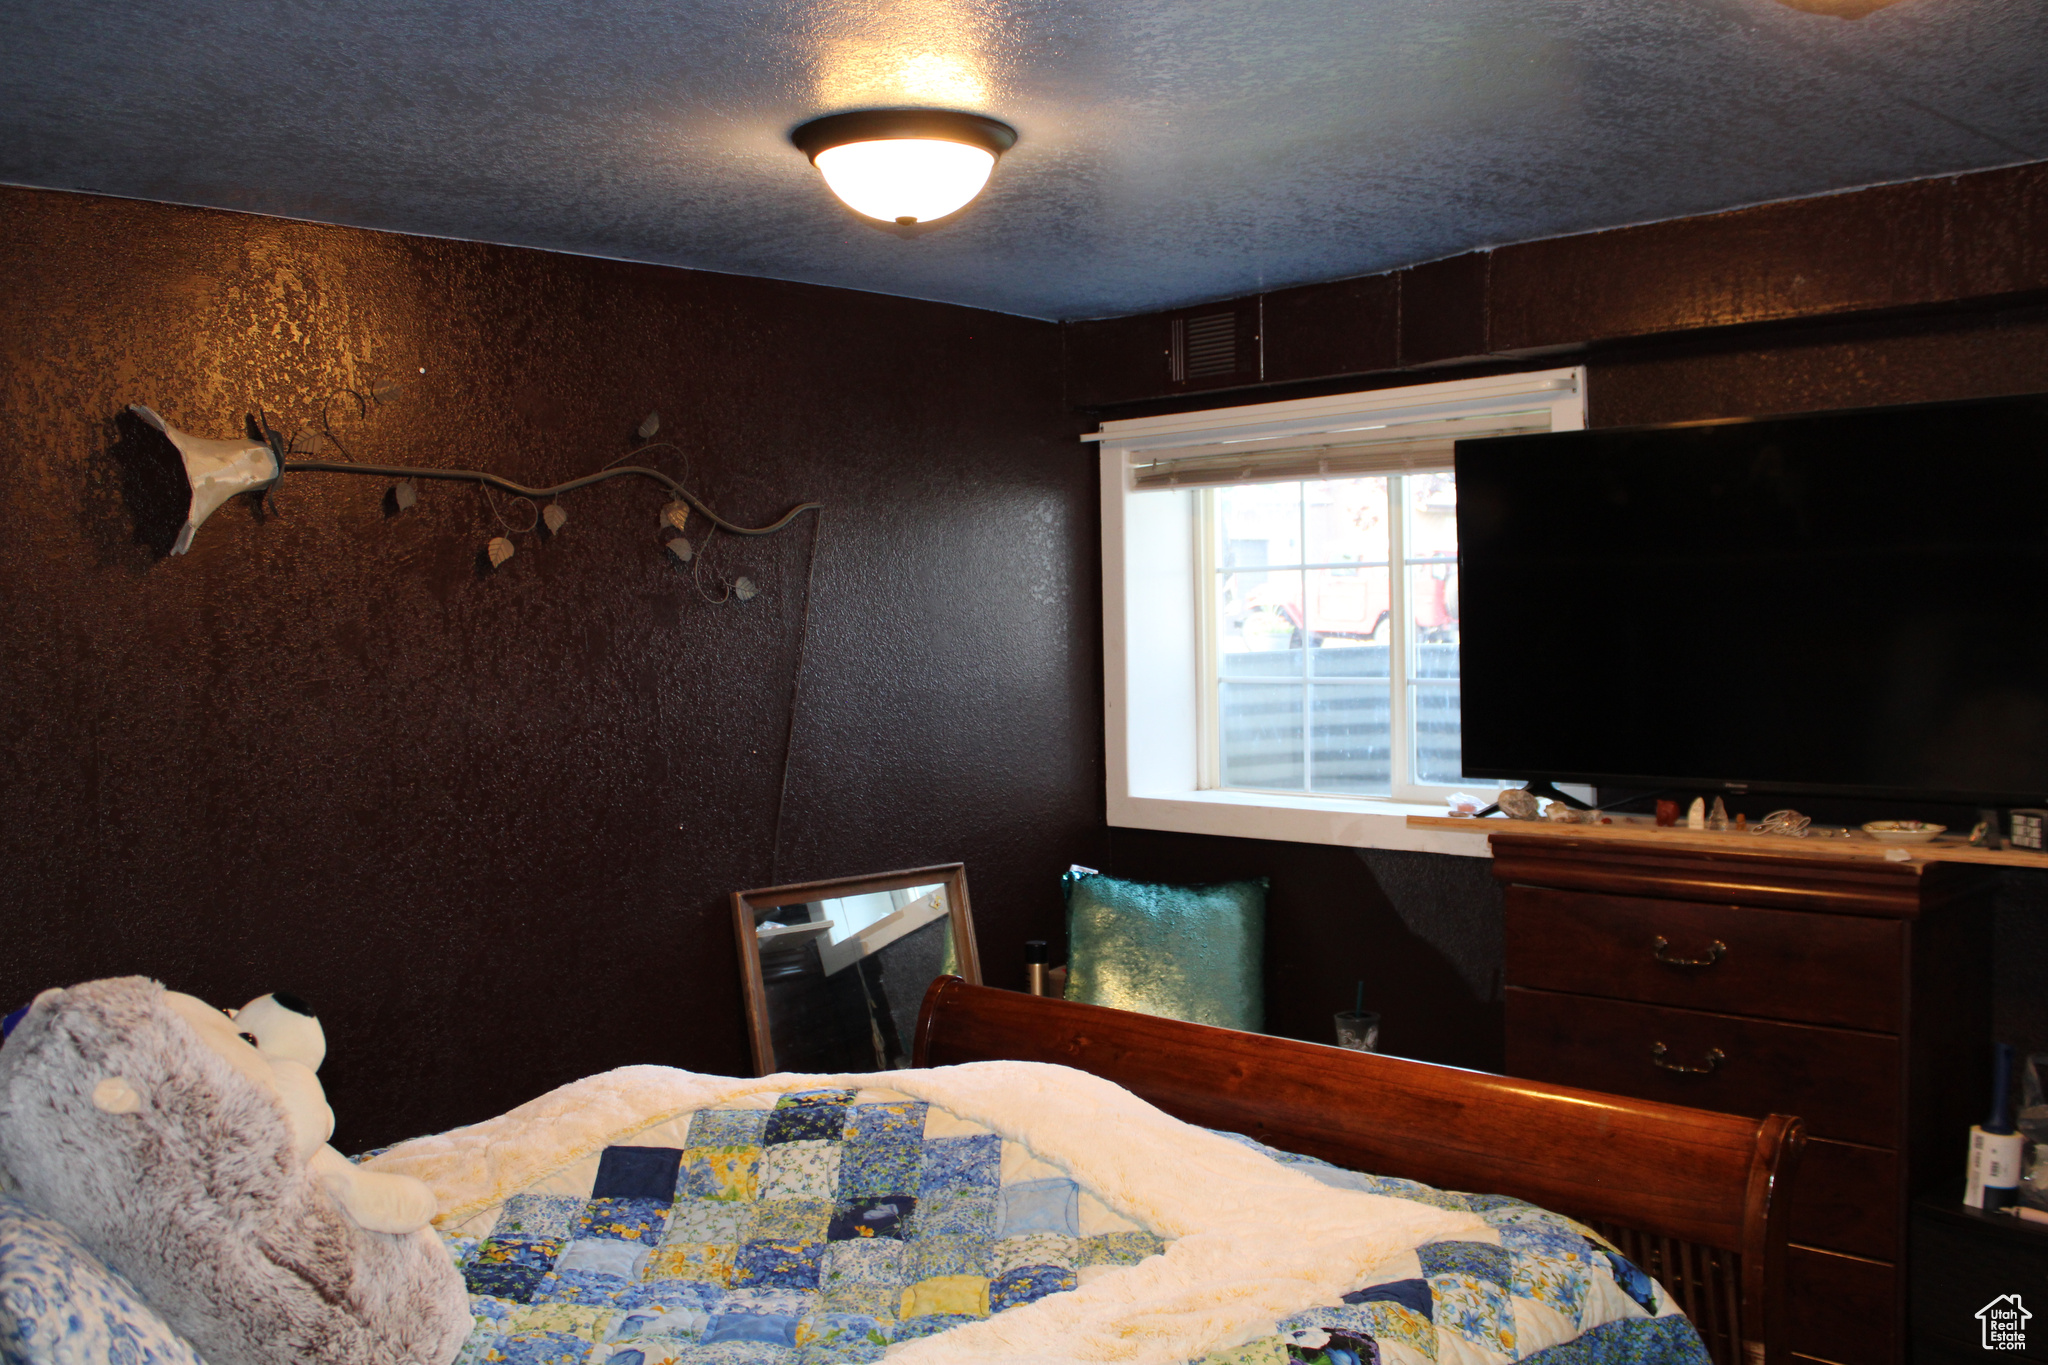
(195, 1163)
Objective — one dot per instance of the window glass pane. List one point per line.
(1432, 515)
(1347, 520)
(1261, 739)
(1433, 609)
(1347, 622)
(1258, 524)
(1258, 624)
(1437, 757)
(1349, 739)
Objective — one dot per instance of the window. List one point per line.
(1281, 607)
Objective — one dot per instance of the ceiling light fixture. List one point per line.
(904, 166)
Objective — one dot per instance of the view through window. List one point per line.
(1332, 625)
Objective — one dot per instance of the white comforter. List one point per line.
(1253, 1241)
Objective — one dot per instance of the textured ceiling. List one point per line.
(1170, 150)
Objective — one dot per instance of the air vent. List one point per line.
(1212, 345)
(1203, 347)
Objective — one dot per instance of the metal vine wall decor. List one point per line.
(218, 470)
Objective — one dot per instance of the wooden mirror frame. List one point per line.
(952, 876)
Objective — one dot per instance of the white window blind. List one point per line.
(1391, 448)
(1392, 431)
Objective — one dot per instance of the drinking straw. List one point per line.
(1358, 1005)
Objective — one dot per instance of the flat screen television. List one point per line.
(1851, 604)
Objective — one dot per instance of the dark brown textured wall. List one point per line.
(487, 822)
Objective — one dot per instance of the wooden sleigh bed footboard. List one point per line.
(1697, 1199)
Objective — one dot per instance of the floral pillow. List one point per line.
(60, 1306)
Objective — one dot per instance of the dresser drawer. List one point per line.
(1846, 1198)
(1844, 970)
(1845, 1085)
(1842, 1308)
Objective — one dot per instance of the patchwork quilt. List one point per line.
(1536, 1287)
(805, 1225)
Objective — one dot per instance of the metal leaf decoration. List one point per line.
(677, 514)
(500, 550)
(681, 549)
(554, 518)
(744, 589)
(650, 426)
(405, 494)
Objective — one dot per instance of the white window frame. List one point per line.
(1161, 769)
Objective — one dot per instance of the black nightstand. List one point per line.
(1962, 1263)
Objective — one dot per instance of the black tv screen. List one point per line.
(1851, 603)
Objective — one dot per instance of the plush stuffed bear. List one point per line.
(288, 1036)
(188, 1150)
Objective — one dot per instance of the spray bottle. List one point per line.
(1996, 1146)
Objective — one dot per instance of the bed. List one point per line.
(1696, 1199)
(1095, 1185)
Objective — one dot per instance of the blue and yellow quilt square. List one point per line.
(862, 1277)
(903, 1119)
(511, 1267)
(788, 1220)
(936, 1257)
(592, 1289)
(662, 1320)
(693, 1262)
(854, 1219)
(869, 1167)
(539, 1348)
(538, 1215)
(721, 1173)
(842, 1330)
(759, 1299)
(840, 1339)
(710, 1220)
(637, 1173)
(1028, 1284)
(1477, 1310)
(960, 1163)
(809, 1116)
(1480, 1260)
(970, 1212)
(1404, 1317)
(1035, 1248)
(928, 1325)
(874, 1263)
(727, 1128)
(803, 1168)
(625, 1220)
(1118, 1248)
(777, 1265)
(1559, 1283)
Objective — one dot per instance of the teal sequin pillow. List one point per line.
(1183, 952)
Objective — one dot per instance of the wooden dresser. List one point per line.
(1851, 992)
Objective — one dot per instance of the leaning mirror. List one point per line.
(835, 971)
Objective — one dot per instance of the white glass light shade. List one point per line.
(217, 470)
(906, 178)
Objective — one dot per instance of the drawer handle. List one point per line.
(1660, 945)
(1660, 1057)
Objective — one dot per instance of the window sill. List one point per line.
(1295, 819)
